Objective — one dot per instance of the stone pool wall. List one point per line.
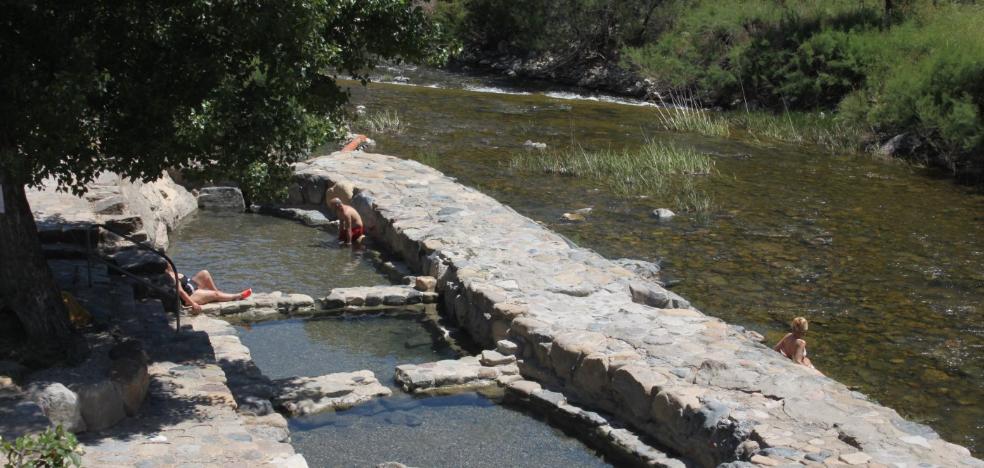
(611, 340)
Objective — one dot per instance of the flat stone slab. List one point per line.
(467, 373)
(262, 305)
(312, 218)
(376, 296)
(608, 336)
(305, 395)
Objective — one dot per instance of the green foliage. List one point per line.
(558, 26)
(798, 54)
(231, 87)
(912, 69)
(52, 448)
(928, 83)
(648, 170)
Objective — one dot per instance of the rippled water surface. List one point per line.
(886, 261)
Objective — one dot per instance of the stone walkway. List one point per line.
(189, 417)
(613, 341)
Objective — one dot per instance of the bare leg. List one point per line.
(204, 280)
(205, 296)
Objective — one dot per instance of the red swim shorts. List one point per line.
(357, 232)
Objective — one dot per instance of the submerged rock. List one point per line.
(663, 214)
(306, 395)
(573, 217)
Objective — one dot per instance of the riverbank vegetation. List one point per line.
(877, 70)
(653, 169)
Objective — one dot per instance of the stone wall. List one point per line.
(612, 340)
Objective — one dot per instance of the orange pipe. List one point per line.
(354, 144)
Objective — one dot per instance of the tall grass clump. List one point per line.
(683, 113)
(830, 132)
(648, 170)
(386, 121)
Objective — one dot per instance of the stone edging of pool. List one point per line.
(368, 299)
(611, 340)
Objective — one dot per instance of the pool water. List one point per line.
(268, 254)
(465, 430)
(321, 346)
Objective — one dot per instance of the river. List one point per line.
(886, 260)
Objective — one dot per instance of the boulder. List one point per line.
(102, 405)
(227, 199)
(903, 144)
(60, 405)
(132, 381)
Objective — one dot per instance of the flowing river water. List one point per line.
(885, 260)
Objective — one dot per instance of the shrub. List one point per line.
(928, 83)
(52, 448)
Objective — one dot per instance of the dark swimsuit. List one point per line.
(188, 285)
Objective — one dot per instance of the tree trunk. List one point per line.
(887, 18)
(27, 287)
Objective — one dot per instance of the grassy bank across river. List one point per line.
(845, 74)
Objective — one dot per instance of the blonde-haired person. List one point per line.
(793, 345)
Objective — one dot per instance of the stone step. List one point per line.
(263, 306)
(376, 296)
(453, 375)
(299, 396)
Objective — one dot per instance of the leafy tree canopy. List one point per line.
(135, 87)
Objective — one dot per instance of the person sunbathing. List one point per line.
(201, 289)
(793, 346)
